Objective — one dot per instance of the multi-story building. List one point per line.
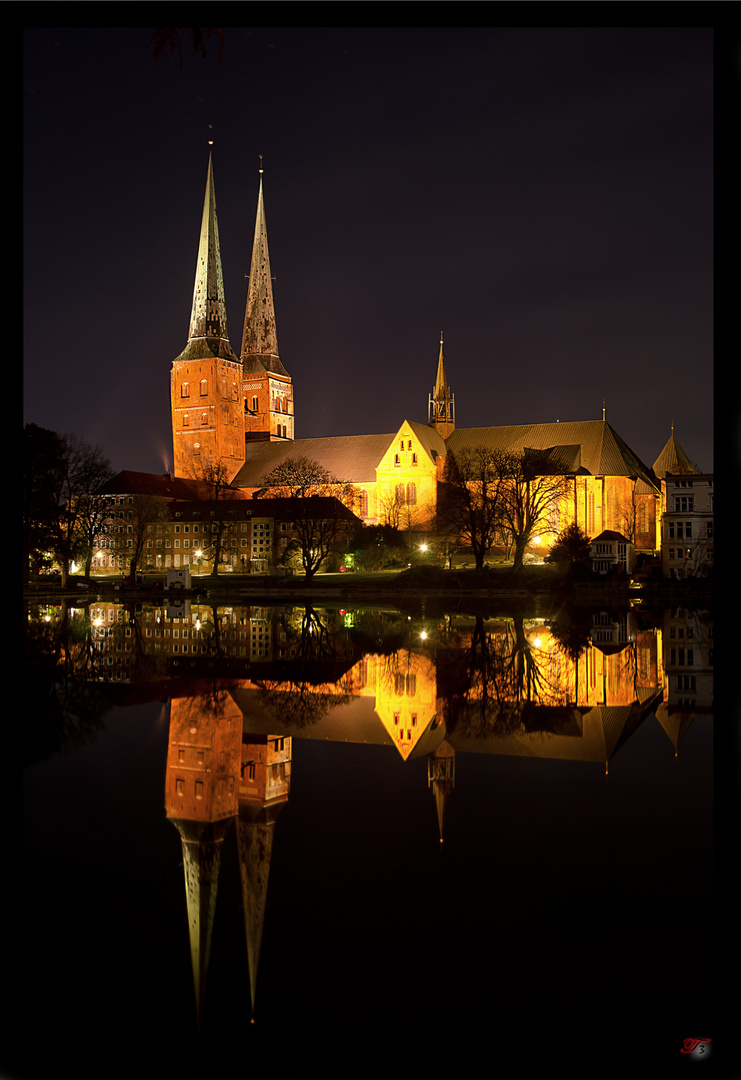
(687, 514)
(166, 522)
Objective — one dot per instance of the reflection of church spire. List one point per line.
(202, 843)
(263, 791)
(201, 802)
(441, 777)
(255, 845)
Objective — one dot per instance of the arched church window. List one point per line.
(204, 387)
(185, 390)
(399, 494)
(196, 448)
(412, 494)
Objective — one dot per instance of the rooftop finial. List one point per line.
(603, 409)
(260, 164)
(210, 141)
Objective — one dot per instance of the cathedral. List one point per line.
(236, 414)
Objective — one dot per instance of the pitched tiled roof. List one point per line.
(673, 460)
(601, 450)
(164, 485)
(348, 457)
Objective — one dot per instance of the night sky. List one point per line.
(541, 196)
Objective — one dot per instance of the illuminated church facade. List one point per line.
(238, 412)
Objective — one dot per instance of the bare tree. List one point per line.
(531, 492)
(470, 502)
(321, 508)
(82, 472)
(215, 472)
(126, 532)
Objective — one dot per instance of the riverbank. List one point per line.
(389, 586)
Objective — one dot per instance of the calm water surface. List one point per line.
(290, 842)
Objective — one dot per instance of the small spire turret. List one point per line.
(441, 403)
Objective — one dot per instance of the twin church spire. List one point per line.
(221, 402)
(208, 326)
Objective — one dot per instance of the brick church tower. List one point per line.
(267, 388)
(206, 378)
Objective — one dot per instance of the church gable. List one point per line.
(406, 477)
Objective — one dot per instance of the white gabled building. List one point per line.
(611, 549)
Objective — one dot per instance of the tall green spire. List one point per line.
(260, 338)
(208, 335)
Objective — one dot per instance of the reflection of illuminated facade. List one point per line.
(201, 801)
(406, 698)
(215, 776)
(688, 658)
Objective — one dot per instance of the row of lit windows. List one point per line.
(674, 554)
(185, 388)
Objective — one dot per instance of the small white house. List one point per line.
(178, 577)
(611, 549)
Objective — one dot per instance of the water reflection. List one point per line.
(245, 684)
